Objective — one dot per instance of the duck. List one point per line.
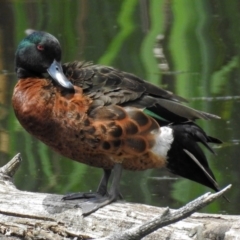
(106, 118)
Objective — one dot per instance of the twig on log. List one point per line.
(167, 217)
(8, 170)
(12, 166)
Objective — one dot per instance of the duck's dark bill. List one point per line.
(56, 72)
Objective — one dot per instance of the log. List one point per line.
(28, 215)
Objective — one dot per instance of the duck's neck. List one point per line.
(23, 73)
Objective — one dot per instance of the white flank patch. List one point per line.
(164, 139)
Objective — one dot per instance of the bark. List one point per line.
(27, 215)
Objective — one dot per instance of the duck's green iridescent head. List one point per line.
(40, 53)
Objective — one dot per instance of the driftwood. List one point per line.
(27, 215)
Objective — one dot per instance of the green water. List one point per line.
(199, 60)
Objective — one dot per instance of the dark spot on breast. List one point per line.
(141, 118)
(137, 144)
(116, 131)
(116, 143)
(65, 103)
(106, 145)
(131, 128)
(60, 102)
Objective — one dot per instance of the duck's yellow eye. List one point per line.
(40, 47)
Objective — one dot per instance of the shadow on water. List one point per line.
(194, 53)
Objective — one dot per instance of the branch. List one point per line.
(8, 170)
(168, 217)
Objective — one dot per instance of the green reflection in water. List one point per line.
(126, 24)
(147, 57)
(88, 31)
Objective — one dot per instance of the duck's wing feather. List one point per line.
(107, 85)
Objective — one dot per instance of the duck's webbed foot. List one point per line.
(81, 195)
(101, 191)
(113, 195)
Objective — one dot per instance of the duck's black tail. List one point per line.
(186, 158)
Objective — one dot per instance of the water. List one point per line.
(189, 47)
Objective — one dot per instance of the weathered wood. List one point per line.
(45, 216)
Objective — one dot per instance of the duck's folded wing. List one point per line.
(106, 86)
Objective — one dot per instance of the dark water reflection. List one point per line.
(196, 56)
